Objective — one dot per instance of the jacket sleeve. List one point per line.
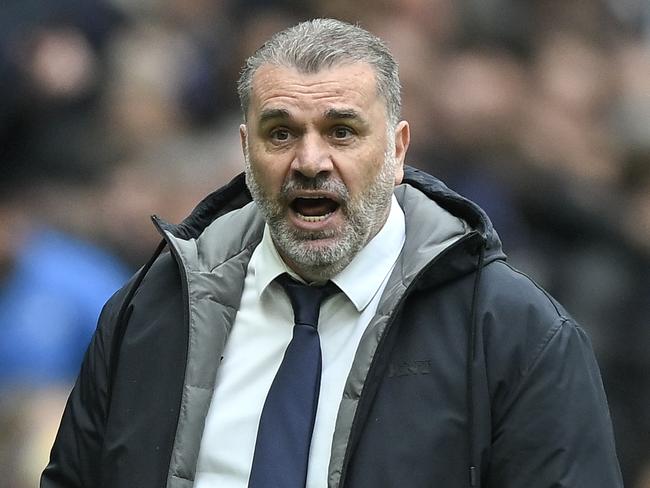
(552, 428)
(75, 456)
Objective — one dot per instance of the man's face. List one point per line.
(321, 162)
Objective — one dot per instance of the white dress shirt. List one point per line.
(255, 348)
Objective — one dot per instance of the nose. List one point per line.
(312, 156)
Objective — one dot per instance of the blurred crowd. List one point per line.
(113, 110)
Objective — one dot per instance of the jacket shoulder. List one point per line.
(157, 277)
(520, 324)
(162, 277)
(549, 416)
(509, 290)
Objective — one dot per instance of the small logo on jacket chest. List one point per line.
(409, 368)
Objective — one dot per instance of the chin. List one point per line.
(320, 259)
(316, 255)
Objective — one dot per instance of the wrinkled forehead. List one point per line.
(352, 83)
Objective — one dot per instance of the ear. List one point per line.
(243, 137)
(402, 140)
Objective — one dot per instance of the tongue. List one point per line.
(314, 207)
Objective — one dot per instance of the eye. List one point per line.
(342, 132)
(280, 134)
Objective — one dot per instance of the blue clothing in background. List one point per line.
(49, 306)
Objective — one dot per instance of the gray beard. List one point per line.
(364, 216)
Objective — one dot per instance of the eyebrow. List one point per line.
(331, 114)
(346, 113)
(274, 113)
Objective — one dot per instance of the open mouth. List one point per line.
(313, 209)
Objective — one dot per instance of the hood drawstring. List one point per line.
(474, 470)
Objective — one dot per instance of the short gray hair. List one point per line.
(323, 43)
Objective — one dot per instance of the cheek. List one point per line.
(361, 171)
(269, 171)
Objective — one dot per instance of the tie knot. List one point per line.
(306, 299)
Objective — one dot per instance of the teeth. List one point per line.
(318, 218)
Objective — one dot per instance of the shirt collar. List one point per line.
(361, 279)
(267, 263)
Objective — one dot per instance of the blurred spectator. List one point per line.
(168, 179)
(49, 304)
(52, 287)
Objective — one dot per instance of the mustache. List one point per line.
(321, 182)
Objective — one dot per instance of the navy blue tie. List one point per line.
(285, 430)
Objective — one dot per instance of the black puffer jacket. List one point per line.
(469, 375)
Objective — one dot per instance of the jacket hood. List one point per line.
(477, 249)
(455, 204)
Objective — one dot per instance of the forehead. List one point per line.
(349, 85)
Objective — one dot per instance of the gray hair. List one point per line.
(323, 43)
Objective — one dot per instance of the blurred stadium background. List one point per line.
(112, 110)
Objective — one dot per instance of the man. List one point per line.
(441, 365)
